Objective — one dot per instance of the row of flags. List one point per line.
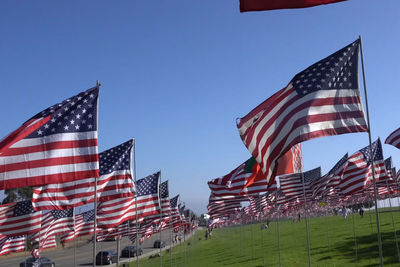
(56, 153)
(322, 100)
(348, 182)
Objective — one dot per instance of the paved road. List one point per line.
(83, 252)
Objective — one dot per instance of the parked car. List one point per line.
(159, 244)
(106, 257)
(130, 251)
(37, 262)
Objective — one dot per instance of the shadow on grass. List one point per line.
(367, 248)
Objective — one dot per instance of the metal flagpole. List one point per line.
(98, 84)
(393, 224)
(372, 163)
(252, 238)
(172, 242)
(73, 213)
(136, 209)
(262, 242)
(306, 219)
(279, 241)
(159, 201)
(354, 235)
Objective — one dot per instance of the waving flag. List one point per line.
(233, 184)
(19, 218)
(259, 5)
(83, 226)
(12, 244)
(115, 181)
(114, 212)
(55, 222)
(357, 174)
(322, 100)
(328, 185)
(394, 139)
(57, 145)
(292, 184)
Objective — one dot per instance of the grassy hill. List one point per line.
(332, 239)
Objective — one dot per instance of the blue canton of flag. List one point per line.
(116, 159)
(338, 165)
(58, 214)
(376, 151)
(148, 185)
(88, 216)
(338, 71)
(312, 175)
(164, 190)
(174, 202)
(75, 114)
(23, 207)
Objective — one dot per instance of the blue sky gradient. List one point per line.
(176, 74)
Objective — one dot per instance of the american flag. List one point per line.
(57, 145)
(357, 174)
(49, 242)
(233, 184)
(394, 139)
(165, 205)
(11, 244)
(115, 181)
(83, 226)
(327, 186)
(175, 216)
(224, 207)
(19, 218)
(322, 100)
(55, 222)
(113, 212)
(292, 184)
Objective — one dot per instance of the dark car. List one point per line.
(159, 244)
(130, 251)
(37, 262)
(106, 257)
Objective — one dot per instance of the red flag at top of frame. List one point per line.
(260, 5)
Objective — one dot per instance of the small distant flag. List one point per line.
(260, 5)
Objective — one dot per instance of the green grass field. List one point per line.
(332, 244)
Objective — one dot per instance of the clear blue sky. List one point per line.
(176, 74)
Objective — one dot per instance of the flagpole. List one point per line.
(370, 150)
(279, 241)
(136, 209)
(393, 224)
(73, 212)
(306, 219)
(98, 84)
(354, 235)
(159, 201)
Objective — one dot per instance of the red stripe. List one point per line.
(50, 146)
(279, 149)
(48, 179)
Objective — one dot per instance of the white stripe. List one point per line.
(27, 142)
(49, 170)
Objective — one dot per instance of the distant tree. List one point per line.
(17, 194)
